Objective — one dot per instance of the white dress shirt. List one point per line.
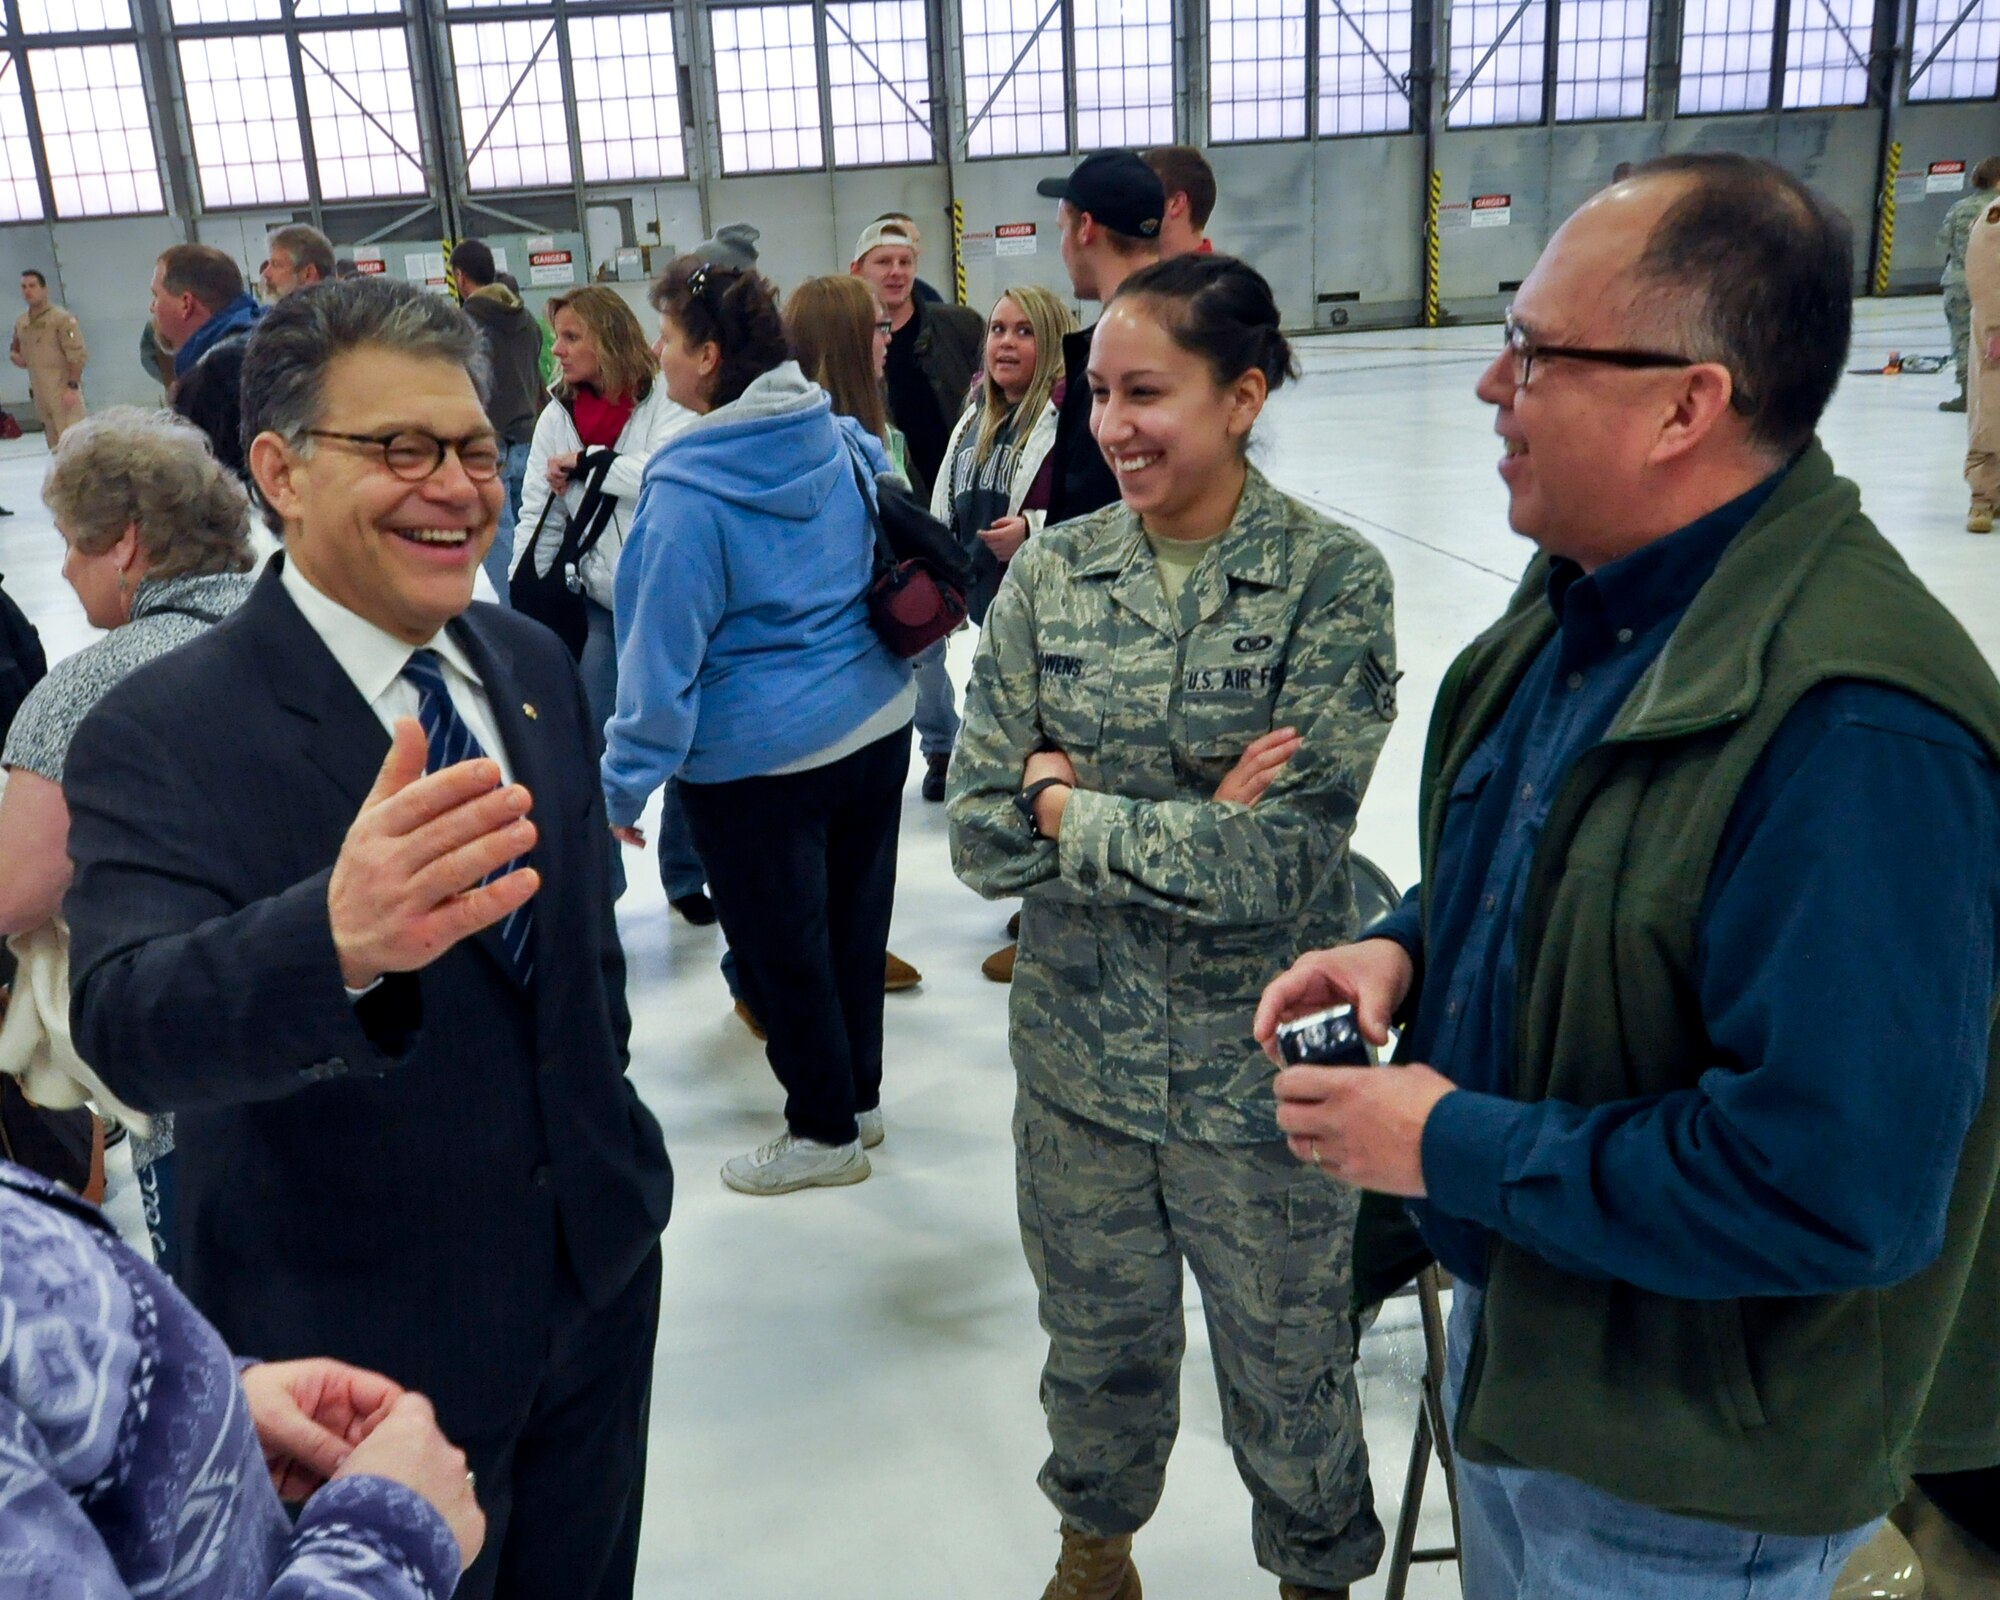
(374, 660)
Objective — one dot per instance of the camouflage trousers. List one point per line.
(1958, 314)
(1107, 1221)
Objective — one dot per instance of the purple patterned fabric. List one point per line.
(128, 1462)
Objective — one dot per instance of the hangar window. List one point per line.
(1256, 70)
(1726, 55)
(629, 118)
(1955, 51)
(97, 134)
(1499, 62)
(245, 121)
(1124, 53)
(1015, 78)
(1364, 66)
(767, 88)
(878, 74)
(1601, 59)
(20, 194)
(1826, 53)
(510, 104)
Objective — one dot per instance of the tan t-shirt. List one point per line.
(1176, 558)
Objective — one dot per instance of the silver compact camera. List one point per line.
(1329, 1038)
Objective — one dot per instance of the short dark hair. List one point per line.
(1218, 308)
(1987, 174)
(307, 247)
(734, 308)
(31, 272)
(210, 275)
(1759, 273)
(1182, 169)
(286, 360)
(474, 258)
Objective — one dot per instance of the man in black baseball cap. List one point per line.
(1109, 224)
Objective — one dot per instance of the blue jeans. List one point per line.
(499, 562)
(937, 711)
(1542, 1536)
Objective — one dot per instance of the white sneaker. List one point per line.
(789, 1163)
(870, 1123)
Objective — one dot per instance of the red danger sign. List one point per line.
(1014, 230)
(1940, 167)
(549, 258)
(1492, 202)
(368, 266)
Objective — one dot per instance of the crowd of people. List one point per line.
(1696, 1035)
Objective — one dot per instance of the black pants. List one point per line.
(564, 1486)
(802, 869)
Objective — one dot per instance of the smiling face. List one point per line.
(1173, 435)
(892, 269)
(575, 350)
(401, 554)
(1580, 438)
(1010, 349)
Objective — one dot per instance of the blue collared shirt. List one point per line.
(1849, 969)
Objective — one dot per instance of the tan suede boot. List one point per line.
(1091, 1568)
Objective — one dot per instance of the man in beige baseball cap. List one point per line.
(934, 353)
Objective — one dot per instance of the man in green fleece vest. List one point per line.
(1698, 990)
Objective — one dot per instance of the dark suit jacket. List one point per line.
(408, 1183)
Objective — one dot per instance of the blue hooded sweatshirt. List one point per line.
(744, 644)
(239, 316)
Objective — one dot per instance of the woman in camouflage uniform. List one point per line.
(1174, 711)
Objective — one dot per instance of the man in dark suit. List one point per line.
(388, 1003)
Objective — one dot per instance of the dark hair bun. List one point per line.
(736, 309)
(1221, 309)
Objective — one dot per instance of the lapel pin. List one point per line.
(529, 711)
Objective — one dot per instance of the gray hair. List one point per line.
(307, 247)
(128, 465)
(286, 361)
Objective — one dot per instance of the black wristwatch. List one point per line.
(1024, 802)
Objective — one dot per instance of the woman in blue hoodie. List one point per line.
(748, 669)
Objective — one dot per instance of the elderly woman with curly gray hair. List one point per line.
(157, 541)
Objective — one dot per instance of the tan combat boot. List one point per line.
(1980, 518)
(1091, 1568)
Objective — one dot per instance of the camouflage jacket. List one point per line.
(1149, 930)
(1952, 231)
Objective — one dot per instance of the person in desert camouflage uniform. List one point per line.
(1188, 692)
(1952, 233)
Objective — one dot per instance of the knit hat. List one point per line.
(734, 245)
(892, 230)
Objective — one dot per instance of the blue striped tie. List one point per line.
(451, 742)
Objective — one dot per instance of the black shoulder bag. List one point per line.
(555, 598)
(916, 590)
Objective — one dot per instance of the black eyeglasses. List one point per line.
(1526, 351)
(413, 456)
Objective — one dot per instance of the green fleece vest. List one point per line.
(1795, 1415)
